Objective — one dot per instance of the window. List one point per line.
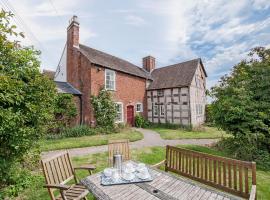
(139, 107)
(109, 79)
(162, 110)
(119, 112)
(185, 103)
(160, 93)
(199, 109)
(155, 110)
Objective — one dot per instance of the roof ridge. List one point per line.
(173, 65)
(110, 55)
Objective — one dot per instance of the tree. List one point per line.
(241, 104)
(26, 99)
(104, 109)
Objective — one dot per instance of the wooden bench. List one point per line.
(58, 171)
(229, 175)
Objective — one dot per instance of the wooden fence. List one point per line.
(229, 175)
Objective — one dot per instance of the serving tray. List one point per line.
(109, 181)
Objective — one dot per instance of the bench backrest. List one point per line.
(57, 170)
(230, 175)
(118, 146)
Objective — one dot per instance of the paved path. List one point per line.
(151, 139)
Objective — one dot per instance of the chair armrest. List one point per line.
(57, 186)
(87, 167)
(252, 195)
(159, 164)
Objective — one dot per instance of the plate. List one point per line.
(143, 176)
(128, 176)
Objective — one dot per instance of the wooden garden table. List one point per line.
(165, 186)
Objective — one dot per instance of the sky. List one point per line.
(220, 32)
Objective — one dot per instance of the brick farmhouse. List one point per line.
(171, 94)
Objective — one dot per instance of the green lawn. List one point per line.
(147, 155)
(206, 133)
(88, 141)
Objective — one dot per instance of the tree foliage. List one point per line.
(26, 99)
(241, 102)
(104, 109)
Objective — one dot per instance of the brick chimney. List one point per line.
(149, 63)
(73, 32)
(73, 71)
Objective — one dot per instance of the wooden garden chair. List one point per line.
(118, 146)
(58, 171)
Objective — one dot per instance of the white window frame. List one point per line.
(113, 79)
(122, 114)
(155, 107)
(141, 107)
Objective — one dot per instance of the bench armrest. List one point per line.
(57, 186)
(159, 164)
(252, 195)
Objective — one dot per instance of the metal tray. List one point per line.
(106, 181)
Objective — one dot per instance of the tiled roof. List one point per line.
(112, 62)
(177, 75)
(67, 88)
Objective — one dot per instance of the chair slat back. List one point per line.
(118, 146)
(227, 174)
(57, 170)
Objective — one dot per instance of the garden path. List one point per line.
(151, 139)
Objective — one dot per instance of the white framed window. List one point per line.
(139, 107)
(119, 112)
(162, 110)
(155, 108)
(199, 109)
(109, 79)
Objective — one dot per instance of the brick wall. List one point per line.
(129, 89)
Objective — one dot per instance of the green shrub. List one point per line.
(140, 122)
(170, 126)
(83, 130)
(64, 112)
(76, 131)
(245, 148)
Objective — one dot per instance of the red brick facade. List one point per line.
(89, 78)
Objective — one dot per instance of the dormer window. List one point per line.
(109, 79)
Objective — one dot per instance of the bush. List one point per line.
(140, 122)
(64, 112)
(245, 149)
(170, 126)
(104, 109)
(83, 130)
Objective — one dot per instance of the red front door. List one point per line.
(130, 115)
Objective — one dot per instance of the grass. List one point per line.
(180, 133)
(147, 155)
(88, 141)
